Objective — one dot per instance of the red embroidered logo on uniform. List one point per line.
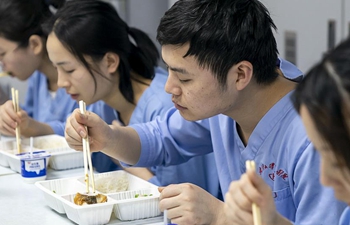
(273, 173)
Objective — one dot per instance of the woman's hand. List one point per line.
(251, 188)
(99, 132)
(8, 119)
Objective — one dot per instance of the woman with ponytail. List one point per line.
(99, 57)
(23, 55)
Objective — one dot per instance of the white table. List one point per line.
(24, 204)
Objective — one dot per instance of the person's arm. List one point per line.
(34, 128)
(168, 140)
(28, 126)
(143, 173)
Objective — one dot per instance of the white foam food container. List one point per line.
(62, 157)
(3, 160)
(137, 204)
(6, 146)
(88, 214)
(54, 189)
(128, 207)
(59, 193)
(134, 182)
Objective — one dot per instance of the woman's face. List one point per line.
(332, 173)
(75, 77)
(18, 62)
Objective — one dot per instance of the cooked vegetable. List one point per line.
(145, 195)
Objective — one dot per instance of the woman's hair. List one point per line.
(325, 93)
(93, 28)
(20, 19)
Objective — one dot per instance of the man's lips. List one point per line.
(180, 107)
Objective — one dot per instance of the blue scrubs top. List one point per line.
(284, 156)
(345, 217)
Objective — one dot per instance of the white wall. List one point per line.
(171, 2)
(310, 20)
(6, 83)
(146, 15)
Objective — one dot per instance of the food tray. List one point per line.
(6, 146)
(138, 204)
(58, 194)
(134, 182)
(53, 189)
(88, 214)
(62, 157)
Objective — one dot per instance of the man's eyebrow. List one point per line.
(178, 70)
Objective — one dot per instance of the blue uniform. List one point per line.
(153, 102)
(284, 156)
(345, 217)
(43, 106)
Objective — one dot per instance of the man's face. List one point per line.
(195, 91)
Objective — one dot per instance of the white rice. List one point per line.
(112, 184)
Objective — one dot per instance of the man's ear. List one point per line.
(244, 74)
(36, 44)
(112, 60)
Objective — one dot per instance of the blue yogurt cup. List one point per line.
(33, 166)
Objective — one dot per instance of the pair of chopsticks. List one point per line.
(250, 165)
(15, 102)
(3, 74)
(87, 155)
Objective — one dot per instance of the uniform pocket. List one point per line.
(282, 194)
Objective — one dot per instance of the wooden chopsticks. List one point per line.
(3, 74)
(87, 155)
(250, 165)
(15, 102)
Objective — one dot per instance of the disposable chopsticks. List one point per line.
(3, 74)
(250, 165)
(87, 155)
(15, 102)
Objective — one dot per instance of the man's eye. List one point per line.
(184, 81)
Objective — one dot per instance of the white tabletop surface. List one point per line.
(24, 204)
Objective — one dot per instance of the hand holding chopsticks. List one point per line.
(250, 165)
(87, 155)
(15, 102)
